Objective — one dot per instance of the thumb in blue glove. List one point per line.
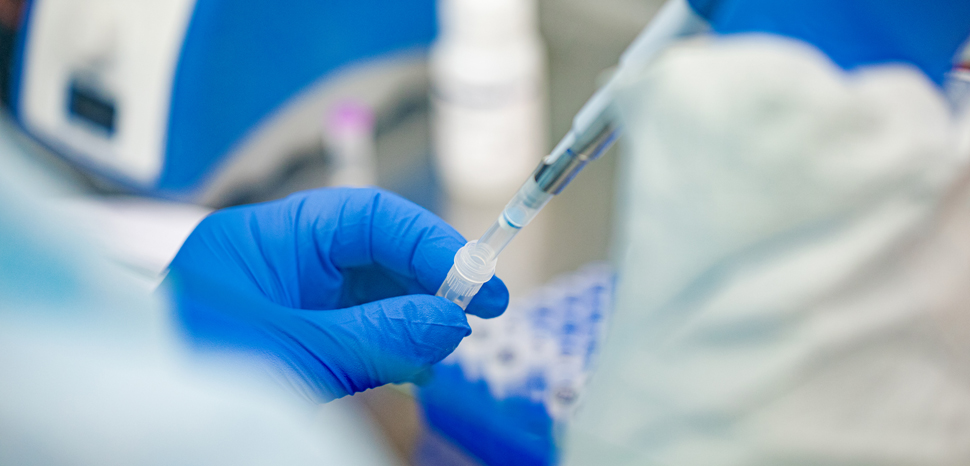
(334, 285)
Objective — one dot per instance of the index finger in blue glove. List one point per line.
(331, 248)
(378, 227)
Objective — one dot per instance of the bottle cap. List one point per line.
(487, 21)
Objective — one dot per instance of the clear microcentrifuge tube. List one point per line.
(474, 265)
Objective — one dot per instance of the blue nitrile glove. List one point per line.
(335, 285)
(515, 431)
(853, 33)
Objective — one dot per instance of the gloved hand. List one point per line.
(334, 285)
(515, 431)
(924, 33)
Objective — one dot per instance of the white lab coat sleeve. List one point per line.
(794, 262)
(93, 371)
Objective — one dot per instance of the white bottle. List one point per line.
(489, 97)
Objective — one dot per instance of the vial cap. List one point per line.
(476, 262)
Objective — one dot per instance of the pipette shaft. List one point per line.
(593, 131)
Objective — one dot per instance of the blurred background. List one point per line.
(150, 116)
(146, 116)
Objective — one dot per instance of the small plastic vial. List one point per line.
(349, 137)
(474, 265)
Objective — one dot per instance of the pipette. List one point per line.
(593, 131)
